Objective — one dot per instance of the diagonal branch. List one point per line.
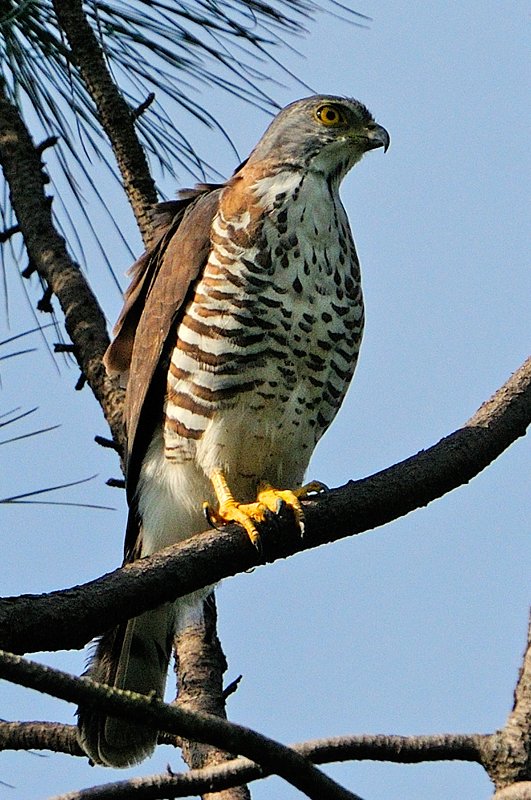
(116, 117)
(151, 711)
(84, 319)
(70, 618)
(161, 787)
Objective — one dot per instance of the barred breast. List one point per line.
(269, 342)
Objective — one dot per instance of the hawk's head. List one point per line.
(323, 133)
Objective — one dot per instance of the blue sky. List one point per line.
(419, 626)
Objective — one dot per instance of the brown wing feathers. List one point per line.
(167, 219)
(161, 281)
(179, 265)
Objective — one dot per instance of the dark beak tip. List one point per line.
(379, 137)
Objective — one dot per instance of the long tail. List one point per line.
(134, 657)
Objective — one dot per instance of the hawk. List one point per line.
(238, 340)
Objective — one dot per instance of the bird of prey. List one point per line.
(238, 340)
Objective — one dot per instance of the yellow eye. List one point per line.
(330, 115)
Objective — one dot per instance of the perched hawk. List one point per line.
(238, 340)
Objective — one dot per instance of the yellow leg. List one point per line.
(231, 511)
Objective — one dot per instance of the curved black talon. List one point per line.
(207, 511)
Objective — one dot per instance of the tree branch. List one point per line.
(151, 711)
(224, 776)
(84, 319)
(367, 747)
(199, 666)
(70, 618)
(116, 117)
(158, 787)
(40, 736)
(508, 756)
(396, 749)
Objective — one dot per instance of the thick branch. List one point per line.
(396, 749)
(116, 117)
(84, 320)
(70, 618)
(151, 711)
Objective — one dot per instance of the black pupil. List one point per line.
(331, 115)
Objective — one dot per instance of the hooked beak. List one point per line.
(378, 137)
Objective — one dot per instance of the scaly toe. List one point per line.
(244, 515)
(274, 499)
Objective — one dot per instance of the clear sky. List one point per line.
(419, 626)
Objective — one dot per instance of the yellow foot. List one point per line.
(244, 515)
(274, 499)
(269, 501)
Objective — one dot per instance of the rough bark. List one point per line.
(517, 791)
(84, 320)
(116, 117)
(40, 736)
(200, 665)
(508, 757)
